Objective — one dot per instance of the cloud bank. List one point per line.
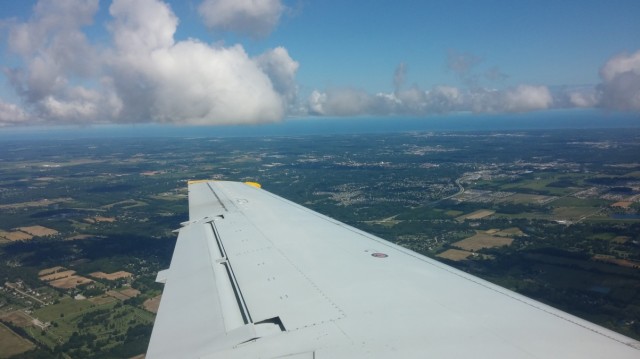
(618, 91)
(145, 76)
(438, 100)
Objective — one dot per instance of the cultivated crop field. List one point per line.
(482, 240)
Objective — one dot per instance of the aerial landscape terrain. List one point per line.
(87, 223)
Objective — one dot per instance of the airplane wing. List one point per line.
(256, 276)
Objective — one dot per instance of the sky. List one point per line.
(220, 62)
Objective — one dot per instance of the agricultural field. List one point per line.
(12, 343)
(455, 254)
(482, 240)
(479, 214)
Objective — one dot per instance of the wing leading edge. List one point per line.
(256, 276)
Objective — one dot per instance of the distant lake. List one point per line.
(556, 119)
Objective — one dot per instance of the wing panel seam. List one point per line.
(217, 197)
(341, 313)
(244, 311)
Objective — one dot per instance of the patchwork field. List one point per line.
(99, 219)
(61, 277)
(40, 203)
(111, 276)
(70, 282)
(482, 240)
(479, 214)
(47, 271)
(38, 231)
(103, 299)
(617, 261)
(126, 204)
(57, 275)
(509, 232)
(11, 343)
(622, 204)
(15, 236)
(621, 239)
(124, 294)
(153, 304)
(17, 318)
(455, 254)
(80, 236)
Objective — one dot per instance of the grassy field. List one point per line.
(579, 202)
(453, 213)
(602, 236)
(573, 213)
(67, 307)
(108, 319)
(524, 198)
(508, 232)
(64, 314)
(541, 184)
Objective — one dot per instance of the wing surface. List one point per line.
(256, 276)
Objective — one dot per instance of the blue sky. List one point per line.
(541, 42)
(231, 61)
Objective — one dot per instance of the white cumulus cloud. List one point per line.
(281, 69)
(141, 26)
(189, 81)
(143, 75)
(54, 49)
(620, 89)
(621, 64)
(255, 18)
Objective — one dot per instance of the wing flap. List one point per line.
(191, 292)
(270, 283)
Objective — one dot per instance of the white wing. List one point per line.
(256, 276)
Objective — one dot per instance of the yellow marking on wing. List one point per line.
(254, 184)
(197, 181)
